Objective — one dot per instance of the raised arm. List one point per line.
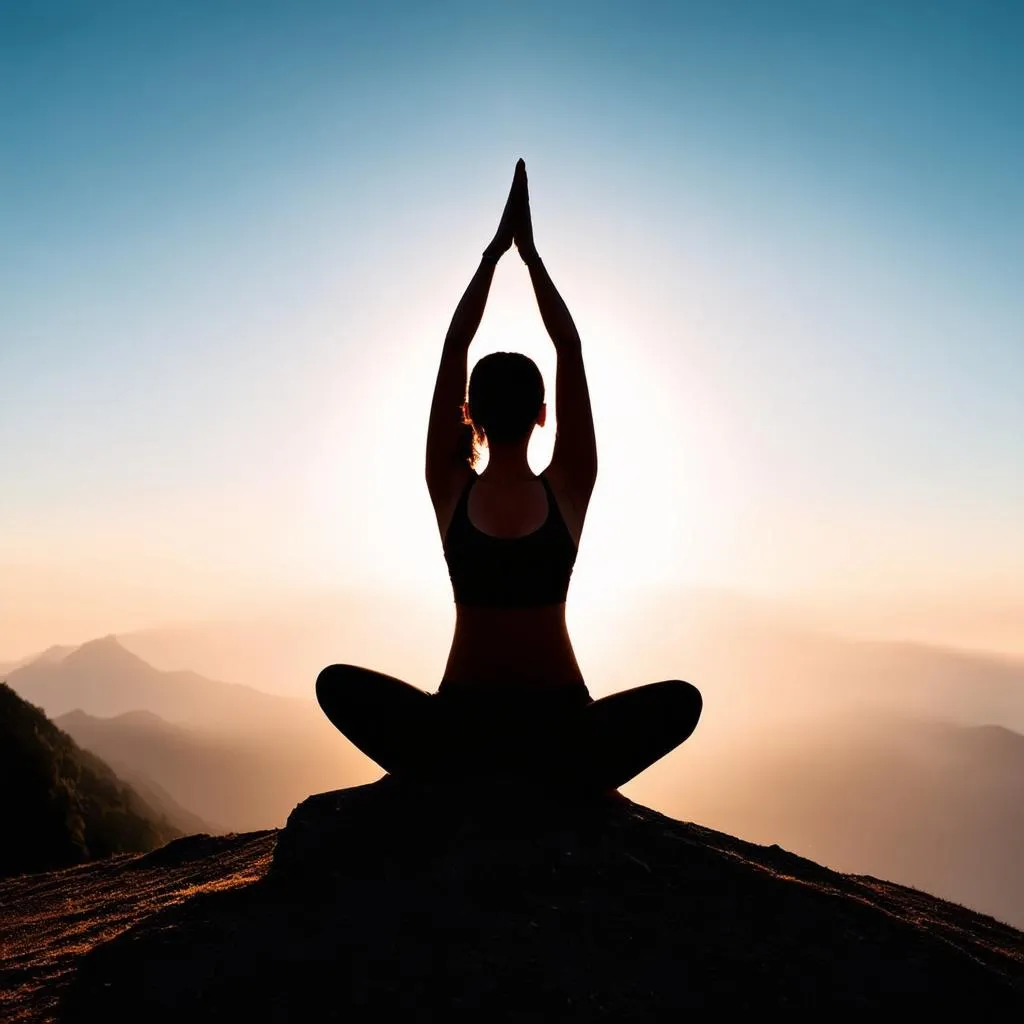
(574, 458)
(446, 464)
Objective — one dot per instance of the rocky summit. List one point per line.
(512, 905)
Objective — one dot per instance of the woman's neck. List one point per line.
(508, 462)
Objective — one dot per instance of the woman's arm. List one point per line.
(575, 455)
(446, 429)
(445, 460)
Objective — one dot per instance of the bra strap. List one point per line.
(552, 500)
(557, 510)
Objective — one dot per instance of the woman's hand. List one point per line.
(524, 220)
(505, 234)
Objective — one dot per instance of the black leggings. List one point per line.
(557, 735)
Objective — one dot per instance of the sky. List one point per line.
(791, 234)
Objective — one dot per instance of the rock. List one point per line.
(388, 900)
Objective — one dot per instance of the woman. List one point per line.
(512, 701)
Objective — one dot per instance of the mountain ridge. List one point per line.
(103, 678)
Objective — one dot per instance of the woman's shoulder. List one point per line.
(446, 503)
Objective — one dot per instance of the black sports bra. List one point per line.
(509, 572)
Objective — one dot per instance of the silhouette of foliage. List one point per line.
(62, 805)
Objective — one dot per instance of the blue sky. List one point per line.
(232, 234)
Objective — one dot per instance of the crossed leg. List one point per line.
(618, 736)
(390, 721)
(601, 745)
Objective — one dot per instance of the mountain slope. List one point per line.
(390, 903)
(51, 654)
(49, 921)
(148, 732)
(240, 782)
(930, 804)
(62, 805)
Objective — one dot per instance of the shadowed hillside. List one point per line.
(387, 902)
(62, 805)
(49, 921)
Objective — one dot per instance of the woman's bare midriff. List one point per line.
(511, 647)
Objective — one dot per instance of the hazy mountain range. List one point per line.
(869, 757)
(932, 804)
(232, 756)
(751, 660)
(55, 653)
(139, 745)
(103, 678)
(235, 782)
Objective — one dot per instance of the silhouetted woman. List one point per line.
(512, 702)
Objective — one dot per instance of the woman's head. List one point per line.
(506, 396)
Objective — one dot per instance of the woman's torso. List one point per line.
(527, 646)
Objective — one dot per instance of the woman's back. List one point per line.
(507, 564)
(510, 558)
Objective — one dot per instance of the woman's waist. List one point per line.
(511, 628)
(510, 615)
(466, 672)
(512, 651)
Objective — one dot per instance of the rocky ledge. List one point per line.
(390, 900)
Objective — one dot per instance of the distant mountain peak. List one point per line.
(108, 642)
(72, 717)
(139, 718)
(107, 649)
